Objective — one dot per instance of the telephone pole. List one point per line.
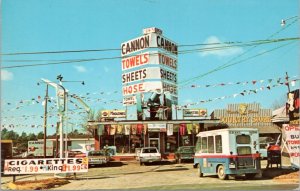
(45, 121)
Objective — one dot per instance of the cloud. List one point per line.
(6, 75)
(80, 69)
(220, 53)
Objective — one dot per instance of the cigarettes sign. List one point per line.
(49, 165)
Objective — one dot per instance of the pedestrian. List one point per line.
(269, 155)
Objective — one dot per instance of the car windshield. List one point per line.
(150, 150)
(96, 153)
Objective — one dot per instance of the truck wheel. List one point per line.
(221, 173)
(250, 175)
(200, 174)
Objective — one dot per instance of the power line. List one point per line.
(253, 43)
(228, 65)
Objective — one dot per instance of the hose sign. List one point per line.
(49, 165)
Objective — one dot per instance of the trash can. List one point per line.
(274, 155)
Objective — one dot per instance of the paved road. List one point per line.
(130, 175)
(163, 176)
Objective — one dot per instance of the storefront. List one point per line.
(248, 115)
(128, 136)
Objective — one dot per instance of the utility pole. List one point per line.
(287, 81)
(45, 121)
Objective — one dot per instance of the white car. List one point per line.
(148, 155)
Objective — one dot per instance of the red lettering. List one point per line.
(134, 61)
(133, 89)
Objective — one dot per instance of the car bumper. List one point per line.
(150, 160)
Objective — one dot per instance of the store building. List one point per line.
(129, 136)
(248, 115)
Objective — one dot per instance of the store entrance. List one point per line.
(154, 142)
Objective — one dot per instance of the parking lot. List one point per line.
(165, 175)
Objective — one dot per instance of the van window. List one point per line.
(243, 150)
(218, 140)
(211, 146)
(204, 145)
(243, 139)
(198, 144)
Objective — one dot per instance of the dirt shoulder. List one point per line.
(37, 184)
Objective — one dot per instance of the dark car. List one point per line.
(184, 153)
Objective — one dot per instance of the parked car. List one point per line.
(97, 157)
(184, 153)
(148, 155)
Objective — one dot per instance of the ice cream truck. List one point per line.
(231, 151)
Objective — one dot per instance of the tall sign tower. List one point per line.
(149, 75)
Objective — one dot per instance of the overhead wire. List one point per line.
(253, 43)
(240, 55)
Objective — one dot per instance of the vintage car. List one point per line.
(184, 153)
(148, 155)
(97, 157)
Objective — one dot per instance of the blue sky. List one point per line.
(57, 25)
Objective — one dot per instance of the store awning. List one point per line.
(268, 129)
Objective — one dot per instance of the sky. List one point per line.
(60, 25)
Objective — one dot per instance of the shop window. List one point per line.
(218, 140)
(243, 139)
(204, 145)
(211, 146)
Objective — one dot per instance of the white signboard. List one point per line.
(113, 114)
(194, 112)
(153, 57)
(152, 30)
(162, 127)
(131, 100)
(141, 74)
(141, 87)
(292, 142)
(48, 165)
(37, 148)
(170, 88)
(152, 40)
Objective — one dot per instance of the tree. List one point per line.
(91, 116)
(40, 135)
(278, 103)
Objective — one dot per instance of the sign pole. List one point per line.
(45, 121)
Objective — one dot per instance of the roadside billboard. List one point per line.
(146, 58)
(151, 40)
(194, 112)
(37, 148)
(291, 140)
(131, 100)
(49, 165)
(113, 114)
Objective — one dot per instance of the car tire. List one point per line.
(221, 173)
(200, 173)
